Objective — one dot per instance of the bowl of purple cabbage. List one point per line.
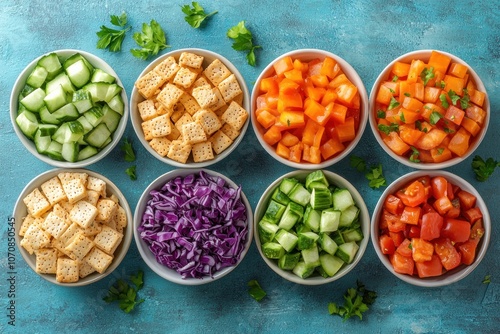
(193, 226)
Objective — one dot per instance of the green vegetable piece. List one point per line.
(112, 39)
(126, 294)
(388, 128)
(321, 198)
(151, 40)
(289, 261)
(280, 197)
(427, 74)
(274, 211)
(128, 150)
(483, 169)
(286, 239)
(356, 301)
(255, 290)
(242, 41)
(358, 163)
(376, 177)
(307, 240)
(393, 104)
(195, 16)
(130, 171)
(487, 279)
(315, 178)
(287, 184)
(267, 230)
(273, 250)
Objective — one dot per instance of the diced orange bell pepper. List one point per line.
(471, 126)
(311, 154)
(439, 61)
(346, 92)
(315, 93)
(318, 113)
(440, 154)
(459, 143)
(282, 65)
(269, 85)
(282, 150)
(328, 97)
(294, 75)
(346, 131)
(314, 67)
(331, 147)
(320, 80)
(338, 113)
(296, 152)
(429, 108)
(400, 69)
(410, 116)
(265, 118)
(338, 80)
(290, 101)
(405, 89)
(395, 143)
(299, 65)
(419, 91)
(393, 86)
(288, 139)
(287, 85)
(272, 135)
(313, 133)
(292, 119)
(330, 68)
(416, 67)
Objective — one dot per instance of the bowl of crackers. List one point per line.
(72, 226)
(189, 108)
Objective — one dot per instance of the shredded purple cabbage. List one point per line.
(195, 225)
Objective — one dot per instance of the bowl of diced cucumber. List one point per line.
(311, 227)
(69, 108)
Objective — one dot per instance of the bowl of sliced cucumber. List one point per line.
(69, 108)
(311, 227)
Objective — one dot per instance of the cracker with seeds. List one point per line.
(216, 72)
(46, 261)
(36, 203)
(108, 239)
(98, 259)
(189, 103)
(83, 213)
(79, 246)
(193, 133)
(184, 119)
(220, 142)
(202, 151)
(96, 184)
(161, 126)
(53, 190)
(235, 116)
(160, 145)
(167, 68)
(75, 190)
(54, 225)
(230, 131)
(208, 121)
(204, 96)
(179, 151)
(191, 59)
(169, 95)
(67, 270)
(106, 209)
(229, 88)
(150, 83)
(147, 109)
(185, 77)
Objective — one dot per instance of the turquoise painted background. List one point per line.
(368, 34)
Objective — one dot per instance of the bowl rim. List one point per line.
(136, 97)
(335, 179)
(456, 274)
(425, 53)
(97, 62)
(307, 53)
(147, 256)
(20, 211)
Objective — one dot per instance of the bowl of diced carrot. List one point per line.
(309, 108)
(429, 109)
(430, 228)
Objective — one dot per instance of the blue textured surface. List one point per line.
(368, 34)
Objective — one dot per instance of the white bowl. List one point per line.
(20, 212)
(136, 98)
(352, 75)
(451, 276)
(29, 144)
(364, 218)
(148, 257)
(383, 76)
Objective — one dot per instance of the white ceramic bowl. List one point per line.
(20, 212)
(364, 217)
(451, 276)
(148, 256)
(352, 75)
(384, 75)
(29, 144)
(136, 98)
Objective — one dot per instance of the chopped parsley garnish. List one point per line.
(444, 100)
(125, 293)
(395, 78)
(357, 301)
(440, 150)
(402, 117)
(393, 104)
(414, 155)
(256, 291)
(358, 163)
(196, 15)
(435, 117)
(427, 74)
(487, 279)
(441, 84)
(380, 113)
(483, 168)
(388, 128)
(376, 177)
(453, 96)
(407, 94)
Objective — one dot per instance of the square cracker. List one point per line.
(184, 119)
(191, 59)
(179, 151)
(53, 190)
(146, 129)
(36, 237)
(161, 126)
(98, 259)
(208, 120)
(92, 197)
(185, 77)
(204, 96)
(75, 190)
(68, 176)
(167, 68)
(79, 246)
(92, 229)
(216, 72)
(235, 116)
(147, 109)
(229, 88)
(108, 239)
(85, 269)
(46, 261)
(202, 151)
(202, 81)
(106, 208)
(149, 84)
(97, 184)
(230, 131)
(170, 95)
(193, 133)
(220, 142)
(220, 102)
(70, 232)
(54, 225)
(189, 103)
(36, 203)
(175, 134)
(160, 145)
(27, 221)
(67, 270)
(83, 213)
(120, 219)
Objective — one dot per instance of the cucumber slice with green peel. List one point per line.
(113, 90)
(302, 270)
(106, 142)
(52, 64)
(274, 211)
(98, 136)
(267, 231)
(312, 218)
(342, 199)
(280, 197)
(55, 99)
(49, 118)
(28, 123)
(97, 90)
(273, 250)
(116, 103)
(292, 215)
(287, 184)
(42, 143)
(347, 251)
(311, 256)
(102, 76)
(70, 151)
(87, 152)
(110, 118)
(289, 261)
(301, 228)
(286, 239)
(316, 179)
(34, 101)
(330, 264)
(94, 116)
(307, 240)
(300, 195)
(337, 237)
(37, 78)
(327, 244)
(47, 129)
(82, 100)
(330, 219)
(60, 80)
(85, 123)
(54, 151)
(321, 198)
(348, 216)
(66, 113)
(76, 57)
(68, 132)
(27, 89)
(78, 73)
(352, 235)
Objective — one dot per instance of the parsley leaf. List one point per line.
(358, 163)
(256, 291)
(151, 40)
(444, 101)
(128, 150)
(395, 78)
(441, 84)
(126, 294)
(112, 39)
(131, 172)
(376, 177)
(487, 279)
(483, 169)
(440, 150)
(407, 94)
(414, 155)
(380, 113)
(388, 128)
(427, 74)
(393, 104)
(195, 16)
(464, 101)
(356, 302)
(453, 96)
(242, 41)
(435, 117)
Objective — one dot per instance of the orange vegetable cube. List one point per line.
(431, 139)
(416, 67)
(339, 80)
(315, 93)
(409, 116)
(393, 86)
(428, 108)
(296, 152)
(290, 100)
(454, 114)
(400, 69)
(292, 119)
(409, 134)
(269, 85)
(331, 147)
(471, 126)
(320, 80)
(313, 133)
(282, 65)
(265, 118)
(328, 97)
(384, 95)
(419, 90)
(410, 215)
(288, 139)
(272, 135)
(318, 113)
(395, 143)
(455, 84)
(338, 112)
(346, 92)
(311, 154)
(459, 143)
(405, 89)
(412, 104)
(298, 65)
(477, 97)
(294, 75)
(346, 131)
(431, 94)
(287, 85)
(439, 61)
(477, 114)
(282, 150)
(329, 68)
(440, 154)
(314, 67)
(458, 70)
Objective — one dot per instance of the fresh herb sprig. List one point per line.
(128, 150)
(483, 169)
(125, 293)
(112, 39)
(131, 172)
(374, 174)
(357, 301)
(255, 290)
(151, 40)
(242, 41)
(196, 15)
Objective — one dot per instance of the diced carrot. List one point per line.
(454, 114)
(477, 114)
(328, 97)
(329, 68)
(400, 69)
(409, 116)
(331, 147)
(272, 135)
(419, 90)
(405, 89)
(282, 65)
(429, 108)
(409, 134)
(438, 77)
(265, 118)
(412, 104)
(318, 113)
(289, 139)
(439, 61)
(346, 131)
(471, 88)
(440, 154)
(471, 126)
(394, 115)
(396, 144)
(294, 75)
(455, 84)
(425, 156)
(431, 94)
(459, 143)
(477, 97)
(393, 86)
(384, 95)
(458, 70)
(416, 67)
(431, 139)
(282, 150)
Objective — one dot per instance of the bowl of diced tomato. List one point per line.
(309, 108)
(430, 228)
(429, 109)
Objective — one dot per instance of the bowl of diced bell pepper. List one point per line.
(430, 228)
(429, 109)
(309, 108)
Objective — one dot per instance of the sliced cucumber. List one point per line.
(303, 270)
(47, 129)
(82, 100)
(330, 219)
(312, 218)
(307, 240)
(60, 80)
(34, 100)
(49, 118)
(330, 264)
(287, 184)
(102, 76)
(348, 216)
(113, 90)
(274, 212)
(98, 136)
(52, 64)
(87, 152)
(85, 123)
(56, 99)
(321, 198)
(28, 123)
(316, 179)
(54, 150)
(66, 113)
(286, 239)
(267, 231)
(352, 235)
(110, 118)
(327, 244)
(70, 151)
(68, 132)
(76, 57)
(289, 261)
(273, 250)
(37, 78)
(342, 199)
(97, 90)
(94, 116)
(42, 143)
(78, 73)
(116, 103)
(293, 214)
(280, 197)
(311, 256)
(300, 195)
(347, 251)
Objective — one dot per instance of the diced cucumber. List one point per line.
(87, 152)
(34, 100)
(307, 240)
(316, 176)
(300, 195)
(54, 150)
(68, 132)
(98, 136)
(116, 103)
(327, 244)
(76, 57)
(312, 218)
(352, 235)
(267, 231)
(47, 129)
(70, 151)
(286, 239)
(311, 256)
(289, 261)
(97, 90)
(52, 64)
(110, 118)
(330, 264)
(337, 237)
(280, 197)
(49, 118)
(321, 198)
(42, 143)
(28, 123)
(302, 270)
(37, 78)
(287, 184)
(317, 184)
(293, 214)
(78, 73)
(60, 80)
(330, 219)
(347, 251)
(82, 100)
(348, 216)
(102, 76)
(94, 116)
(342, 199)
(66, 113)
(27, 89)
(55, 99)
(113, 90)
(273, 250)
(85, 123)
(274, 211)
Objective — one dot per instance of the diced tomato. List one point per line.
(405, 248)
(421, 250)
(449, 256)
(402, 264)
(397, 237)
(411, 215)
(473, 214)
(467, 200)
(413, 195)
(430, 268)
(432, 223)
(393, 204)
(387, 244)
(468, 251)
(393, 222)
(413, 231)
(439, 187)
(456, 230)
(477, 230)
(442, 205)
